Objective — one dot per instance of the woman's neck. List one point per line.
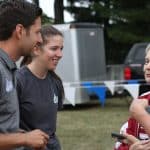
(37, 70)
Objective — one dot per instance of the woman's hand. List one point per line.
(141, 145)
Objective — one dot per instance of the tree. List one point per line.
(45, 18)
(130, 25)
(58, 11)
(124, 23)
(36, 2)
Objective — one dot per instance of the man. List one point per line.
(20, 24)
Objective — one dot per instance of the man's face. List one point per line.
(31, 37)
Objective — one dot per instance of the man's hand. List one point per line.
(36, 139)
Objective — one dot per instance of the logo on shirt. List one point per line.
(55, 99)
(9, 85)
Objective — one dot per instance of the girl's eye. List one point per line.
(62, 48)
(146, 61)
(53, 48)
(56, 48)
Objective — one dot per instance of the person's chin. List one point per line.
(52, 69)
(147, 80)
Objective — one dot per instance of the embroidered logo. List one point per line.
(55, 99)
(9, 85)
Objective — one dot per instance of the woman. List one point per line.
(138, 123)
(40, 89)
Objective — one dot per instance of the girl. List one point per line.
(139, 122)
(40, 90)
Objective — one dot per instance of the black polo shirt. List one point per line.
(39, 102)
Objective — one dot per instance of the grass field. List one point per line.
(89, 127)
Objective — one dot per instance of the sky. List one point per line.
(48, 8)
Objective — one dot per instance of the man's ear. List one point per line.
(20, 31)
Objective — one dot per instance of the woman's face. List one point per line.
(147, 67)
(51, 52)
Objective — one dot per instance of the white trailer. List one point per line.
(83, 58)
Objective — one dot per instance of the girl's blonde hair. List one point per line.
(147, 49)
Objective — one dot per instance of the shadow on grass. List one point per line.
(95, 103)
(85, 106)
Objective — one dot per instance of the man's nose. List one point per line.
(40, 40)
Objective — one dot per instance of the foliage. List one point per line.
(46, 19)
(36, 2)
(125, 22)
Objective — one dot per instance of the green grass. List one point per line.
(89, 127)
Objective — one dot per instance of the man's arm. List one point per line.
(34, 139)
(138, 111)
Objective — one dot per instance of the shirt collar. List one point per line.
(6, 59)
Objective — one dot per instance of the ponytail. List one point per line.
(26, 60)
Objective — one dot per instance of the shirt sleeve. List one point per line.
(146, 96)
(0, 84)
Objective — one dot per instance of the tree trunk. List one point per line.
(59, 11)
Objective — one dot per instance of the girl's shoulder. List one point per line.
(22, 70)
(145, 95)
(22, 74)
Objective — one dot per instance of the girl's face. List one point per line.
(51, 52)
(147, 67)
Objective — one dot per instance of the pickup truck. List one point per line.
(133, 64)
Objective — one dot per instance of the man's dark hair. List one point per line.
(13, 12)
